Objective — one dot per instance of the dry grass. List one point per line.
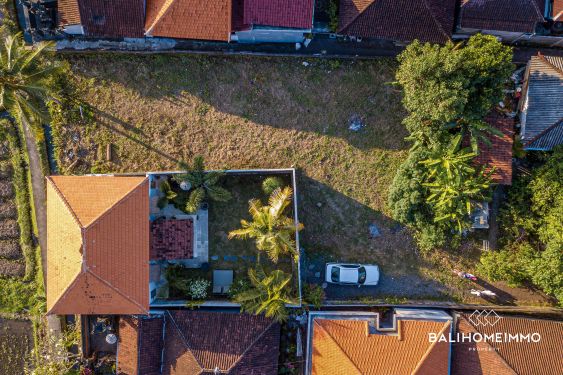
(159, 110)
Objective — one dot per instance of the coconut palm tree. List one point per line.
(272, 230)
(203, 185)
(268, 295)
(24, 80)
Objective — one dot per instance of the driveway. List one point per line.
(411, 286)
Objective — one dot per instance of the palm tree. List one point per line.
(24, 80)
(203, 185)
(478, 131)
(450, 163)
(272, 230)
(268, 295)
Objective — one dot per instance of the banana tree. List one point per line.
(272, 231)
(268, 295)
(203, 184)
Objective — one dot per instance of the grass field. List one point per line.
(155, 111)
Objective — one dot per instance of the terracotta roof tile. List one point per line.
(189, 19)
(101, 266)
(524, 358)
(507, 15)
(346, 347)
(280, 13)
(171, 239)
(112, 19)
(557, 11)
(402, 20)
(196, 342)
(140, 345)
(499, 154)
(68, 12)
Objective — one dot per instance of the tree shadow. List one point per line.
(324, 97)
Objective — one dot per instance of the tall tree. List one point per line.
(268, 295)
(24, 80)
(272, 231)
(453, 86)
(203, 185)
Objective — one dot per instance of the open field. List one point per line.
(155, 111)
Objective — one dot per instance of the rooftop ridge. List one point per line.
(447, 325)
(160, 14)
(248, 348)
(543, 132)
(337, 345)
(185, 340)
(128, 298)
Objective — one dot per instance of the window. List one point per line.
(361, 275)
(335, 274)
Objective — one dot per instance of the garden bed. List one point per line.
(16, 343)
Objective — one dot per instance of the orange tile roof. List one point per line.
(346, 347)
(68, 12)
(97, 245)
(523, 358)
(189, 19)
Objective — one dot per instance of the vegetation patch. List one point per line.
(16, 343)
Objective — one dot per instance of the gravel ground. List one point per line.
(394, 286)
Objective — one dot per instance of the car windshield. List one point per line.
(335, 274)
(361, 275)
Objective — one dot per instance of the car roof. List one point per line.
(348, 275)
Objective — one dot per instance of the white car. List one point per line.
(352, 274)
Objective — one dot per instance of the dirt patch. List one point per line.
(16, 342)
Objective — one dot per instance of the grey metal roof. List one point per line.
(543, 111)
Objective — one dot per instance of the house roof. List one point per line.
(172, 239)
(68, 12)
(198, 342)
(346, 346)
(500, 358)
(542, 103)
(97, 245)
(507, 15)
(189, 19)
(279, 13)
(499, 154)
(557, 10)
(123, 18)
(404, 20)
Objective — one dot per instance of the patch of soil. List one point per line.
(16, 342)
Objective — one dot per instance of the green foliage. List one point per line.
(271, 183)
(272, 231)
(313, 294)
(239, 285)
(168, 194)
(333, 6)
(203, 185)
(451, 86)
(532, 223)
(454, 185)
(268, 295)
(25, 80)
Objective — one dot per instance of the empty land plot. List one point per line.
(152, 112)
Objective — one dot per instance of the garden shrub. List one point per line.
(198, 288)
(508, 264)
(239, 285)
(271, 183)
(313, 294)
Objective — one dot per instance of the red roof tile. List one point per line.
(172, 239)
(197, 342)
(499, 154)
(140, 345)
(280, 13)
(402, 20)
(98, 245)
(507, 15)
(112, 19)
(189, 19)
(500, 358)
(68, 12)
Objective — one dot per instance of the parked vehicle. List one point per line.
(352, 274)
